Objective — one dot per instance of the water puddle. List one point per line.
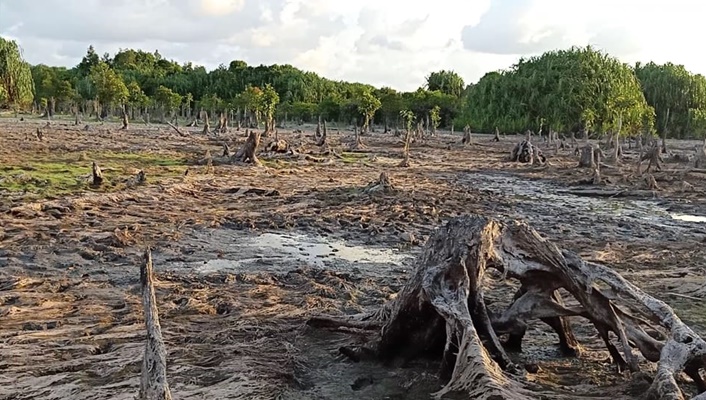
(688, 218)
(314, 252)
(282, 252)
(549, 207)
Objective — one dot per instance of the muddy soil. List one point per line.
(244, 255)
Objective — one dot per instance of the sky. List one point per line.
(394, 43)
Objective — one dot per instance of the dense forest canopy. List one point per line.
(573, 90)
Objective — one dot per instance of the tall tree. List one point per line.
(110, 88)
(16, 84)
(269, 100)
(448, 82)
(368, 104)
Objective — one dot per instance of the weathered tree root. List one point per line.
(526, 152)
(442, 311)
(248, 153)
(153, 383)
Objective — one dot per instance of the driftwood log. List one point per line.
(443, 311)
(153, 382)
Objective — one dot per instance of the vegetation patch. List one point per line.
(71, 173)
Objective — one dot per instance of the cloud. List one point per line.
(385, 43)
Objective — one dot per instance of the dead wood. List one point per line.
(322, 140)
(126, 123)
(277, 146)
(496, 138)
(700, 158)
(153, 383)
(179, 131)
(381, 185)
(357, 142)
(248, 153)
(526, 152)
(40, 135)
(405, 149)
(222, 126)
(651, 182)
(206, 126)
(226, 151)
(466, 135)
(319, 132)
(590, 156)
(97, 175)
(442, 311)
(654, 156)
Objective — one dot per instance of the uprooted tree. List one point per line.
(442, 310)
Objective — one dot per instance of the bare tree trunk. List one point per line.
(405, 149)
(466, 135)
(153, 383)
(126, 124)
(322, 139)
(97, 174)
(206, 125)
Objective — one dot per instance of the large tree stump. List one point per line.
(590, 156)
(442, 311)
(153, 383)
(654, 156)
(248, 153)
(526, 152)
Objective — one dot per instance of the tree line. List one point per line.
(578, 90)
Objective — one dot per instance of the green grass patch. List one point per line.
(56, 175)
(349, 157)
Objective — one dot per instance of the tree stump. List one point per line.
(96, 174)
(700, 159)
(278, 146)
(526, 152)
(442, 311)
(206, 126)
(496, 138)
(153, 383)
(126, 123)
(248, 153)
(466, 135)
(405, 150)
(322, 140)
(654, 155)
(39, 134)
(590, 156)
(357, 142)
(382, 185)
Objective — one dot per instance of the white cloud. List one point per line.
(393, 42)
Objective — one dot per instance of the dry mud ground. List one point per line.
(239, 271)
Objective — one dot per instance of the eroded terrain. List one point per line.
(241, 270)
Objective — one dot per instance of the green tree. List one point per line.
(16, 82)
(167, 100)
(447, 82)
(368, 104)
(435, 117)
(269, 100)
(110, 88)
